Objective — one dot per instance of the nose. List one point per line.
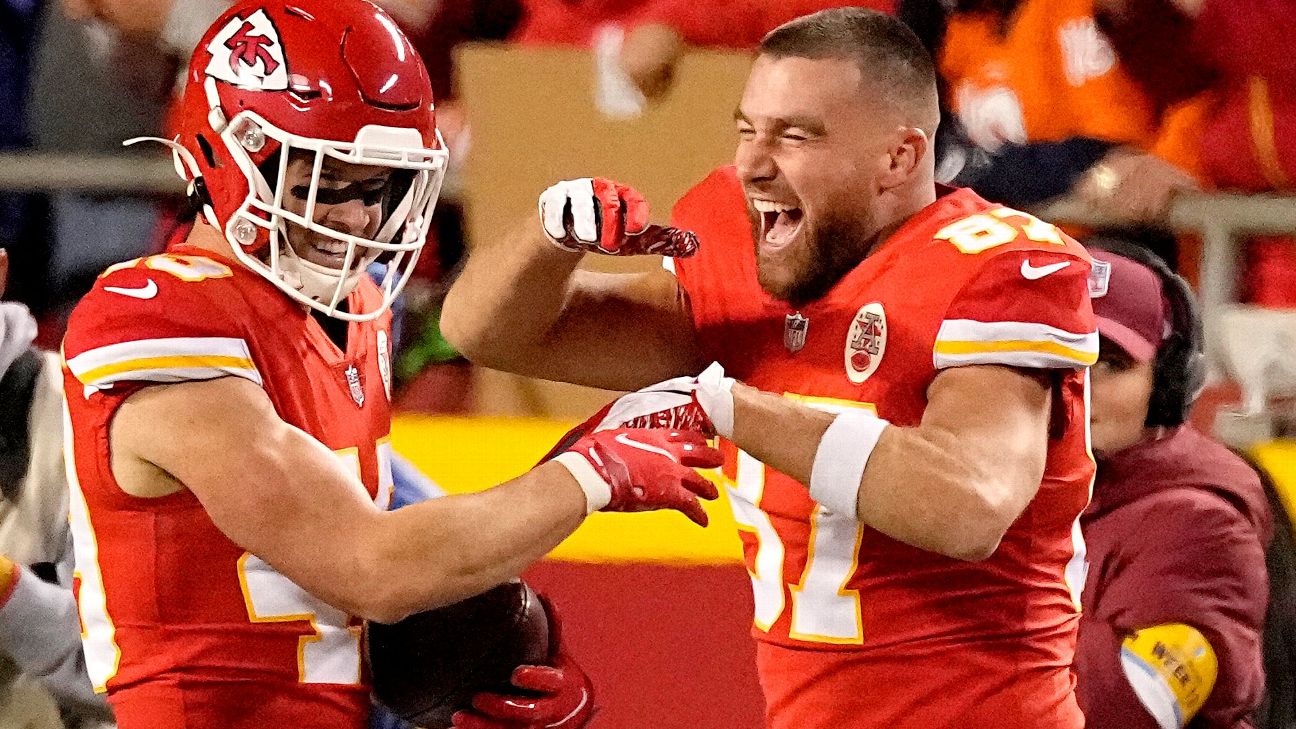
(351, 217)
(754, 162)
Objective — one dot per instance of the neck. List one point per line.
(209, 239)
(900, 204)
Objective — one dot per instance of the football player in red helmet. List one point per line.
(229, 415)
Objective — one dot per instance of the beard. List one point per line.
(827, 252)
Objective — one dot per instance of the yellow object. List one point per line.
(1183, 661)
(1278, 459)
(7, 569)
(466, 454)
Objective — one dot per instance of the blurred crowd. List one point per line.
(1123, 105)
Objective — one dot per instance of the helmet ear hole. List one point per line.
(208, 153)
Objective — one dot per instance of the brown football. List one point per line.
(427, 666)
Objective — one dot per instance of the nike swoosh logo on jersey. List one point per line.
(1032, 273)
(623, 439)
(147, 291)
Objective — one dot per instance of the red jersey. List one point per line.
(856, 629)
(181, 626)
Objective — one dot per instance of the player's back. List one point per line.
(857, 629)
(183, 627)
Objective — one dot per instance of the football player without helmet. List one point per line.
(227, 431)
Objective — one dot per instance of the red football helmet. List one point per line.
(315, 85)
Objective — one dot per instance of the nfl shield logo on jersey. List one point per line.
(795, 328)
(866, 342)
(354, 383)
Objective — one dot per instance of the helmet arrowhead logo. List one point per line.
(250, 49)
(247, 53)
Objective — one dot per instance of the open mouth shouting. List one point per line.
(781, 224)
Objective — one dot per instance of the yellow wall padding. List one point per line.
(465, 454)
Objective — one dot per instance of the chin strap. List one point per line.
(187, 168)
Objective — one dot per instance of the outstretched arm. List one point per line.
(283, 496)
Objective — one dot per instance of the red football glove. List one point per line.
(643, 469)
(560, 696)
(682, 403)
(599, 215)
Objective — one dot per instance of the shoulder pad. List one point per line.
(155, 319)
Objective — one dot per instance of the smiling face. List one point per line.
(349, 200)
(817, 159)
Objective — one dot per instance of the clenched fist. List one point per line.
(603, 216)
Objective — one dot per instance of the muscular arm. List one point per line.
(521, 305)
(280, 494)
(952, 485)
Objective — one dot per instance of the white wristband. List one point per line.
(598, 493)
(839, 462)
(715, 394)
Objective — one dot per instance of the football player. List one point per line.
(908, 456)
(228, 411)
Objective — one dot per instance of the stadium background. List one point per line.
(647, 595)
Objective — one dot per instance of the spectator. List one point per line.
(1235, 68)
(647, 37)
(83, 102)
(40, 650)
(1176, 591)
(1048, 109)
(21, 214)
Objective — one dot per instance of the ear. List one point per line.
(4, 270)
(906, 153)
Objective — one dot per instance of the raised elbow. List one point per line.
(973, 549)
(987, 519)
(383, 613)
(384, 601)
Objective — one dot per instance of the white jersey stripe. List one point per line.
(1020, 344)
(175, 359)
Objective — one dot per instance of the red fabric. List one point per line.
(1176, 533)
(736, 24)
(1271, 272)
(1242, 58)
(848, 690)
(187, 652)
(666, 645)
(1256, 44)
(981, 644)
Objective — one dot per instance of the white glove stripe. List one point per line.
(552, 202)
(584, 700)
(624, 439)
(583, 204)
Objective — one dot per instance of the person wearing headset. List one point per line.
(1175, 597)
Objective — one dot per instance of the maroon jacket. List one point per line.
(1176, 533)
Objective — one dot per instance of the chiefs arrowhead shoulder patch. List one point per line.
(866, 342)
